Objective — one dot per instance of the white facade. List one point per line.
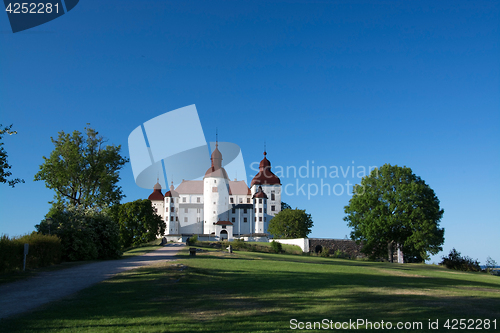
(219, 207)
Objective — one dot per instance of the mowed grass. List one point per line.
(261, 292)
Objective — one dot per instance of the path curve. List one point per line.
(22, 296)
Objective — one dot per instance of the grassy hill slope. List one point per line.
(261, 292)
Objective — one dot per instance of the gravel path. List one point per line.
(26, 295)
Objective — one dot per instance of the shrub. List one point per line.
(340, 254)
(44, 250)
(456, 261)
(490, 264)
(325, 252)
(238, 244)
(192, 240)
(86, 234)
(276, 246)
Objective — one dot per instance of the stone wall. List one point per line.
(347, 246)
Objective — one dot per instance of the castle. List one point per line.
(217, 208)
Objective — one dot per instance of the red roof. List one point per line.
(156, 195)
(260, 195)
(223, 223)
(265, 175)
(218, 173)
(216, 170)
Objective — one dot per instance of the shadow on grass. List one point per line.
(235, 294)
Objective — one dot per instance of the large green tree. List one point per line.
(4, 165)
(394, 207)
(291, 223)
(83, 170)
(138, 222)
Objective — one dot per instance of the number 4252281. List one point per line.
(32, 8)
(471, 324)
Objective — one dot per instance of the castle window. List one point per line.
(173, 209)
(177, 218)
(272, 196)
(215, 181)
(198, 210)
(184, 199)
(214, 189)
(185, 219)
(245, 219)
(233, 220)
(233, 211)
(260, 201)
(185, 210)
(248, 200)
(265, 211)
(244, 211)
(265, 219)
(231, 200)
(223, 227)
(171, 218)
(255, 219)
(260, 210)
(260, 218)
(166, 209)
(166, 200)
(273, 208)
(198, 199)
(255, 209)
(241, 200)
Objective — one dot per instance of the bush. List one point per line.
(44, 250)
(456, 261)
(86, 234)
(340, 254)
(490, 265)
(276, 246)
(238, 244)
(192, 240)
(325, 252)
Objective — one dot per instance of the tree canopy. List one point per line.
(391, 207)
(291, 223)
(138, 222)
(83, 171)
(4, 165)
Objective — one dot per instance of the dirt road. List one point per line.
(26, 295)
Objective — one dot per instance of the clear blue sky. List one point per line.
(340, 83)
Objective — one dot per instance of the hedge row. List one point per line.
(44, 250)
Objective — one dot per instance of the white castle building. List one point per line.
(218, 208)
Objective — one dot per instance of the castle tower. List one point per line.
(156, 199)
(260, 211)
(271, 186)
(172, 211)
(215, 193)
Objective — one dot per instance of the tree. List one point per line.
(291, 223)
(393, 207)
(138, 222)
(284, 206)
(4, 165)
(83, 171)
(456, 261)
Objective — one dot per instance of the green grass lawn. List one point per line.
(261, 292)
